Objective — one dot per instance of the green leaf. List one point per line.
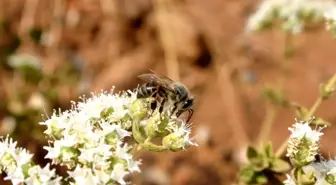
(319, 122)
(252, 153)
(330, 179)
(261, 178)
(106, 112)
(246, 174)
(258, 161)
(269, 150)
(279, 166)
(275, 96)
(326, 92)
(250, 177)
(307, 179)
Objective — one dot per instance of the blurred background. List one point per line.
(52, 52)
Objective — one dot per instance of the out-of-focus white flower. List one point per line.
(37, 102)
(7, 125)
(202, 134)
(289, 180)
(330, 17)
(303, 144)
(293, 15)
(156, 175)
(323, 171)
(24, 59)
(331, 14)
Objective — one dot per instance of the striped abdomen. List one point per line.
(150, 89)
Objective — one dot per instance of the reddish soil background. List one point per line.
(223, 67)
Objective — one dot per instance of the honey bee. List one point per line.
(163, 88)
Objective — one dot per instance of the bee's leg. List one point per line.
(173, 110)
(191, 112)
(153, 105)
(162, 105)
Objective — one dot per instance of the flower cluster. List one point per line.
(303, 144)
(90, 138)
(319, 173)
(16, 163)
(97, 138)
(330, 17)
(303, 151)
(293, 15)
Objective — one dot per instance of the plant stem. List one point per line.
(267, 124)
(311, 112)
(270, 109)
(314, 108)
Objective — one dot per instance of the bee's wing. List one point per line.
(161, 80)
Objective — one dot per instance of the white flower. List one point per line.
(7, 145)
(21, 156)
(16, 161)
(122, 152)
(301, 129)
(91, 134)
(321, 171)
(57, 150)
(119, 173)
(133, 165)
(330, 14)
(289, 180)
(42, 176)
(24, 59)
(82, 176)
(16, 176)
(184, 131)
(110, 128)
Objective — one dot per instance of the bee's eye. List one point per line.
(187, 104)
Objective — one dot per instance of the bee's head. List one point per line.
(188, 104)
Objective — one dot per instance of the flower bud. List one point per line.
(173, 142)
(139, 108)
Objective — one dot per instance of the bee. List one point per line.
(165, 89)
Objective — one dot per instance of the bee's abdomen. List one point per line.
(146, 90)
